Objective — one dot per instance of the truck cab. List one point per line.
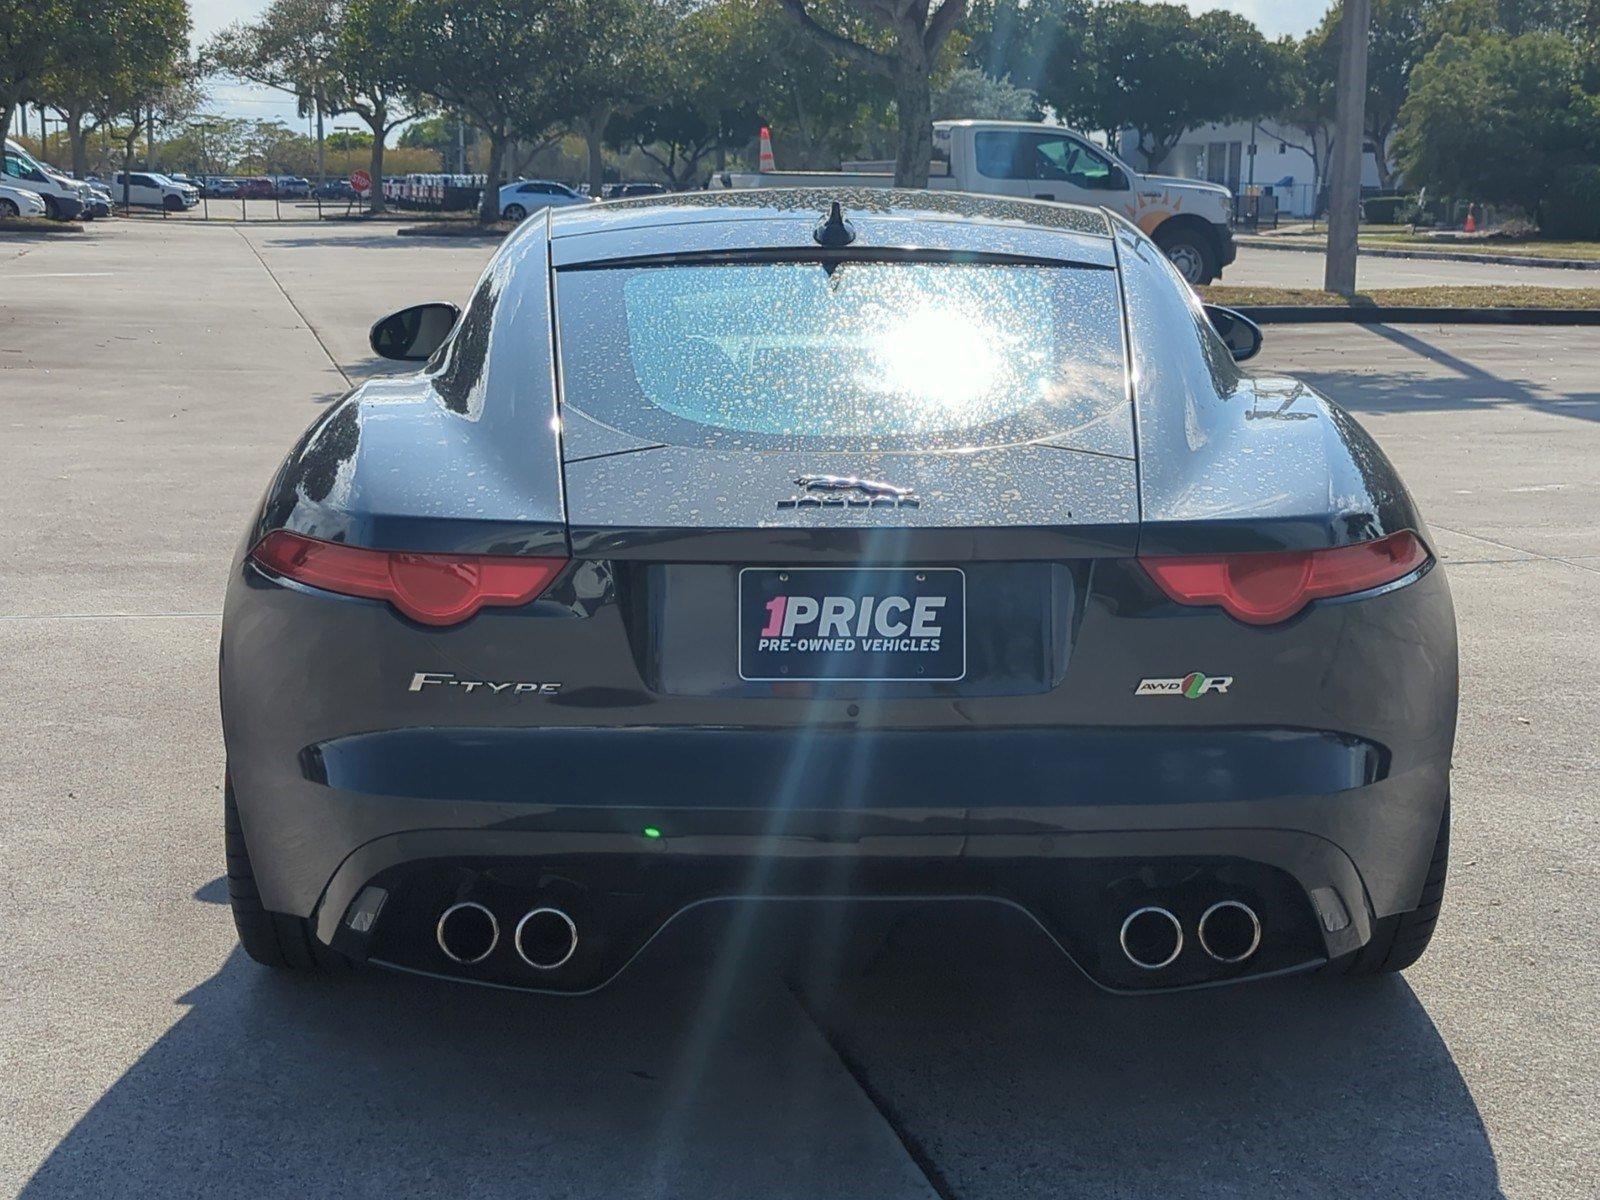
(1187, 218)
(147, 189)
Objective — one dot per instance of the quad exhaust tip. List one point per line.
(1229, 931)
(545, 938)
(467, 932)
(1151, 938)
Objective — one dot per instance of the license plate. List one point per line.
(868, 624)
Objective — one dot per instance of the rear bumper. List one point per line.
(1075, 827)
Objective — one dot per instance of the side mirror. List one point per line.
(413, 334)
(1239, 333)
(1117, 181)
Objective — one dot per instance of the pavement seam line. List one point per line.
(1555, 558)
(113, 616)
(284, 292)
(919, 1155)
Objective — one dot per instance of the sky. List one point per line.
(1275, 17)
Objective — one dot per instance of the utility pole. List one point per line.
(322, 167)
(1344, 180)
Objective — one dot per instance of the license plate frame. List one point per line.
(760, 586)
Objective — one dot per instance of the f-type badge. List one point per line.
(847, 491)
(1191, 686)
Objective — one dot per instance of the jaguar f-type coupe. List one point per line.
(839, 546)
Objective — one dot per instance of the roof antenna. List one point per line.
(833, 231)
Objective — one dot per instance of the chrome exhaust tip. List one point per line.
(545, 938)
(1151, 938)
(1229, 931)
(467, 932)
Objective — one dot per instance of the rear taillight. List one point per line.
(1263, 589)
(436, 589)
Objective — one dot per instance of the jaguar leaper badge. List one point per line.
(1191, 686)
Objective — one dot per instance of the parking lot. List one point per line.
(152, 375)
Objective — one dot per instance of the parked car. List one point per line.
(20, 202)
(526, 196)
(64, 199)
(259, 188)
(219, 187)
(292, 187)
(925, 547)
(97, 200)
(148, 189)
(337, 189)
(621, 191)
(1188, 218)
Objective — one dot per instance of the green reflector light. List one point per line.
(650, 831)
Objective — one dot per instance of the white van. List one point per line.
(64, 199)
(146, 189)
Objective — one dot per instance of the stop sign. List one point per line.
(360, 180)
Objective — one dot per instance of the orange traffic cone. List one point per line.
(768, 163)
(1472, 221)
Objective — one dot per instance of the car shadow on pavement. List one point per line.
(1466, 386)
(998, 1068)
(1021, 1079)
(368, 1083)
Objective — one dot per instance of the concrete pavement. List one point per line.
(151, 378)
(1261, 267)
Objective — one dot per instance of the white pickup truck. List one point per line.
(1187, 218)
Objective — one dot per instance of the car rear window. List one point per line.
(853, 355)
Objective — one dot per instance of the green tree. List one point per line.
(1399, 35)
(1308, 68)
(293, 48)
(120, 49)
(369, 74)
(620, 57)
(913, 33)
(506, 65)
(687, 113)
(1159, 70)
(968, 92)
(1040, 45)
(818, 104)
(1498, 118)
(35, 37)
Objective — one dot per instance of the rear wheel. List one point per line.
(272, 939)
(1400, 940)
(514, 212)
(1191, 252)
(8, 209)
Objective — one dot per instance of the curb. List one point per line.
(1506, 260)
(53, 229)
(1376, 314)
(470, 231)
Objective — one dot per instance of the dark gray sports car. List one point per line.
(835, 545)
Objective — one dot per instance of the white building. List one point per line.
(1223, 154)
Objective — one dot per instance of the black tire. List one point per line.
(8, 209)
(273, 939)
(172, 203)
(51, 210)
(1191, 251)
(514, 212)
(1400, 940)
